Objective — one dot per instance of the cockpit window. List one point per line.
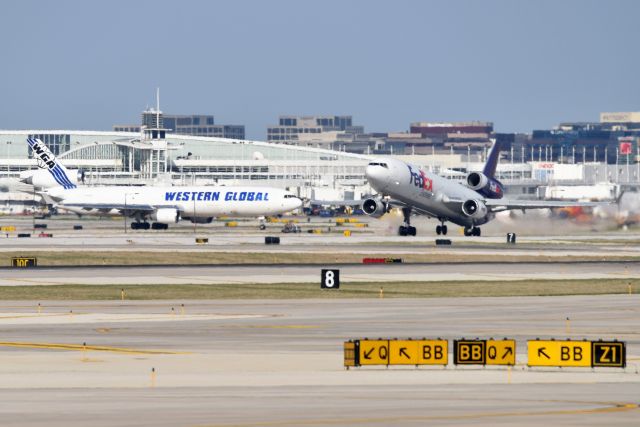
(384, 165)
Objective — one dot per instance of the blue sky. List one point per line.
(522, 64)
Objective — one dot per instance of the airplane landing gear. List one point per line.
(406, 229)
(159, 226)
(472, 231)
(140, 226)
(441, 229)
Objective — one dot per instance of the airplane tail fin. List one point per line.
(492, 160)
(46, 160)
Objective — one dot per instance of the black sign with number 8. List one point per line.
(330, 279)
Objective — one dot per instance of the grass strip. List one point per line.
(307, 290)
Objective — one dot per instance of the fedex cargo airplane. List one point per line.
(163, 205)
(414, 190)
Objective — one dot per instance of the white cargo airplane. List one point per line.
(408, 186)
(164, 205)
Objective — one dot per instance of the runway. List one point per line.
(266, 362)
(282, 273)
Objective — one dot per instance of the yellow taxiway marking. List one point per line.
(607, 407)
(80, 347)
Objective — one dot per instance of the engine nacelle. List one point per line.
(166, 216)
(42, 178)
(474, 209)
(375, 207)
(488, 187)
(199, 219)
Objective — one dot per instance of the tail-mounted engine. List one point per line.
(488, 187)
(375, 207)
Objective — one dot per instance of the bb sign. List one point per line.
(577, 353)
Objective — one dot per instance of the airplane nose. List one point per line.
(294, 203)
(377, 176)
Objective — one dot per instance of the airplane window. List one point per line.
(384, 165)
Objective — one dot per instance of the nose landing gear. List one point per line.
(441, 229)
(472, 231)
(406, 229)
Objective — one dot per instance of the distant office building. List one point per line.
(455, 136)
(318, 131)
(616, 135)
(195, 124)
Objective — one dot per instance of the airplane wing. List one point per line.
(336, 202)
(499, 205)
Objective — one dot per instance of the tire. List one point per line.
(135, 226)
(438, 230)
(145, 226)
(467, 232)
(402, 231)
(412, 231)
(444, 230)
(476, 231)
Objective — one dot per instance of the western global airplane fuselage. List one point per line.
(202, 201)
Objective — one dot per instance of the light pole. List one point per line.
(8, 171)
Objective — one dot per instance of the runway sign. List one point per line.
(24, 262)
(329, 279)
(559, 353)
(608, 354)
(501, 352)
(373, 352)
(418, 352)
(350, 354)
(469, 352)
(433, 352)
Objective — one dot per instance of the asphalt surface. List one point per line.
(278, 273)
(271, 363)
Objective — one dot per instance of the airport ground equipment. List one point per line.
(271, 240)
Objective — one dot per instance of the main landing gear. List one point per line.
(406, 229)
(146, 226)
(472, 231)
(140, 226)
(441, 229)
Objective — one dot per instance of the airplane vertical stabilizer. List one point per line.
(46, 160)
(492, 160)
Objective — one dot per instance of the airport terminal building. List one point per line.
(126, 158)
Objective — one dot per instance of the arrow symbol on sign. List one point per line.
(367, 354)
(404, 353)
(541, 352)
(507, 352)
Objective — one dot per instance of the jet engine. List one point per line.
(474, 209)
(199, 219)
(166, 216)
(488, 187)
(375, 207)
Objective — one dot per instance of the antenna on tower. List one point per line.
(158, 107)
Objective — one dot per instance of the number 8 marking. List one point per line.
(329, 279)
